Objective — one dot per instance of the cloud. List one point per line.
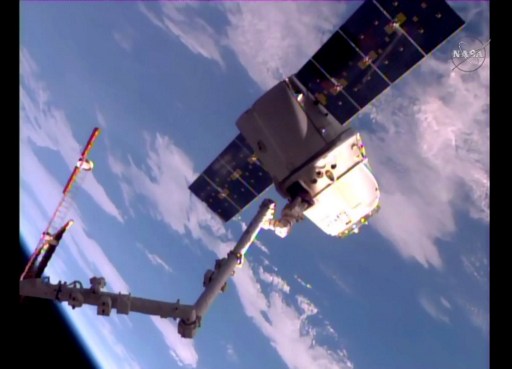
(261, 246)
(125, 359)
(296, 346)
(164, 186)
(29, 71)
(476, 264)
(167, 164)
(230, 353)
(102, 339)
(155, 259)
(445, 303)
(430, 152)
(330, 330)
(257, 33)
(273, 40)
(478, 316)
(274, 280)
(301, 281)
(434, 308)
(101, 119)
(177, 20)
(180, 349)
(429, 147)
(123, 39)
(48, 127)
(335, 276)
(307, 307)
(122, 320)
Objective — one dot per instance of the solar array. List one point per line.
(232, 180)
(378, 44)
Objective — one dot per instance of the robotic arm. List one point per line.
(190, 316)
(292, 213)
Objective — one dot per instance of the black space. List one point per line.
(46, 337)
(498, 195)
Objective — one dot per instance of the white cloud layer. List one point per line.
(431, 155)
(181, 350)
(445, 303)
(123, 39)
(301, 281)
(155, 259)
(168, 164)
(273, 40)
(176, 19)
(231, 353)
(274, 280)
(128, 361)
(478, 316)
(435, 308)
(258, 33)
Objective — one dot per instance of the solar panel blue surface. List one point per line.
(365, 28)
(345, 65)
(389, 50)
(326, 92)
(212, 197)
(232, 180)
(398, 58)
(427, 22)
(251, 170)
(223, 178)
(379, 43)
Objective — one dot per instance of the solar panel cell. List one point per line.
(232, 180)
(366, 28)
(388, 49)
(379, 43)
(213, 198)
(326, 92)
(427, 22)
(398, 58)
(346, 66)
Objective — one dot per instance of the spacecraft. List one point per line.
(298, 136)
